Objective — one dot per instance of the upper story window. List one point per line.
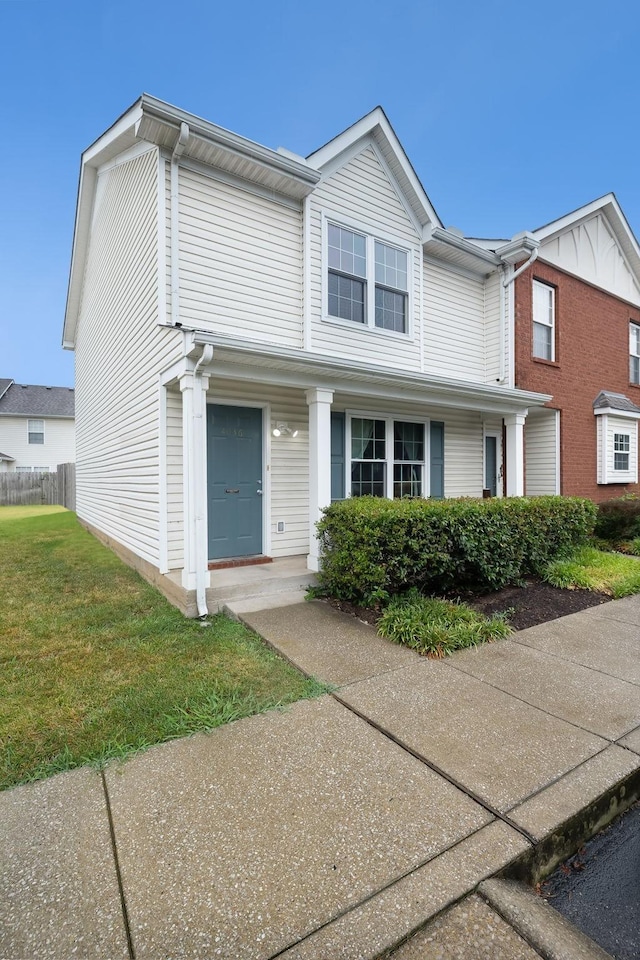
(36, 431)
(367, 280)
(634, 353)
(544, 320)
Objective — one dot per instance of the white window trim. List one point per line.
(30, 431)
(371, 234)
(633, 348)
(543, 323)
(389, 419)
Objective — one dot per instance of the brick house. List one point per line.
(577, 337)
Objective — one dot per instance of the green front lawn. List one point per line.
(598, 570)
(95, 664)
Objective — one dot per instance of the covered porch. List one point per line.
(259, 442)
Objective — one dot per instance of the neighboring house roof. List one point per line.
(28, 400)
(614, 401)
(5, 456)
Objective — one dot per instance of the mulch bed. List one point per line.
(534, 603)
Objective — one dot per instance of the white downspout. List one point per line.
(178, 150)
(506, 282)
(200, 479)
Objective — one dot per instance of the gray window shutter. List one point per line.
(437, 459)
(337, 456)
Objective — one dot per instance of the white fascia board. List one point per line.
(376, 125)
(442, 235)
(313, 364)
(611, 412)
(283, 162)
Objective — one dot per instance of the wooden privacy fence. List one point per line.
(21, 489)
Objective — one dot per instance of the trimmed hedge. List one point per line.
(618, 519)
(373, 549)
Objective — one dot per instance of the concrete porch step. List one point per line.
(256, 584)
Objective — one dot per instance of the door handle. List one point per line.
(259, 492)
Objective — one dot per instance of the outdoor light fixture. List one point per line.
(283, 429)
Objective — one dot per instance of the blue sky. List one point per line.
(511, 113)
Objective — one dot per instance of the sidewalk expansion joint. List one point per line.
(535, 706)
(376, 893)
(442, 773)
(114, 848)
(576, 663)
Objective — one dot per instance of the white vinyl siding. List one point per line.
(454, 336)
(59, 442)
(175, 481)
(119, 351)
(541, 453)
(492, 326)
(240, 262)
(361, 197)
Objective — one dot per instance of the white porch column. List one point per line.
(514, 423)
(319, 402)
(193, 387)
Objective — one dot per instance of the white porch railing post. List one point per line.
(319, 402)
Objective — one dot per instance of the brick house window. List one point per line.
(35, 429)
(544, 320)
(634, 353)
(621, 446)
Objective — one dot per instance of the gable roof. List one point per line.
(27, 400)
(609, 207)
(375, 126)
(5, 456)
(4, 386)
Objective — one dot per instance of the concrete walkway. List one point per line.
(342, 826)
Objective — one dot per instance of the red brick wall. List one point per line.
(592, 354)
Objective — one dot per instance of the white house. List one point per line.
(256, 333)
(37, 428)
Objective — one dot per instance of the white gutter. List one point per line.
(507, 280)
(178, 150)
(199, 485)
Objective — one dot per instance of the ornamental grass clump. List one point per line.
(435, 627)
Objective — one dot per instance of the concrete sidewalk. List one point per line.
(341, 826)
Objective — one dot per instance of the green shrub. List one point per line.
(438, 627)
(373, 549)
(618, 519)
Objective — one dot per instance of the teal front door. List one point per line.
(234, 481)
